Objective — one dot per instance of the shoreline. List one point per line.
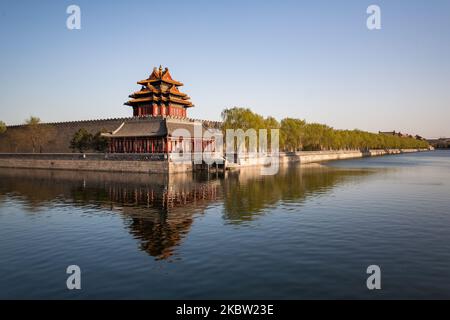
(143, 164)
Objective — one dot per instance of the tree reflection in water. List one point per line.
(159, 210)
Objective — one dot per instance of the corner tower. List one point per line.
(159, 96)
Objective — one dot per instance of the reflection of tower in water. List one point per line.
(162, 197)
(160, 215)
(158, 210)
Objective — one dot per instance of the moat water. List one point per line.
(307, 232)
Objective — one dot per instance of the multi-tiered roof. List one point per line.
(159, 95)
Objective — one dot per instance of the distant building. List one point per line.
(388, 133)
(441, 143)
(417, 137)
(399, 134)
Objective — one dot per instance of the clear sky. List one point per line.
(314, 60)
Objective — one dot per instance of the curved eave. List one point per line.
(133, 136)
(144, 82)
(144, 93)
(158, 99)
(132, 103)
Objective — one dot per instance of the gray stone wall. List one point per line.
(88, 165)
(16, 138)
(59, 135)
(139, 164)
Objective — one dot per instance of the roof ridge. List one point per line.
(178, 118)
(72, 122)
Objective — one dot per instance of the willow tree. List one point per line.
(37, 134)
(81, 141)
(244, 119)
(319, 137)
(292, 132)
(100, 143)
(269, 124)
(2, 127)
(296, 134)
(241, 118)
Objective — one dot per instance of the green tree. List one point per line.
(81, 140)
(99, 143)
(2, 127)
(296, 134)
(37, 133)
(317, 137)
(269, 124)
(292, 132)
(242, 118)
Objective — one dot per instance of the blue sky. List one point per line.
(314, 60)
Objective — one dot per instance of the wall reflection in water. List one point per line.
(159, 210)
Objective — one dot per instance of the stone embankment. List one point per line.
(159, 163)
